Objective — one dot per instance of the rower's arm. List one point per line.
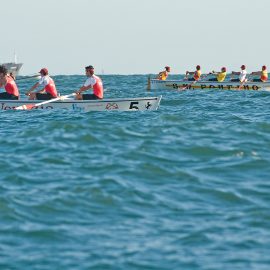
(159, 75)
(42, 90)
(256, 73)
(33, 87)
(84, 88)
(3, 82)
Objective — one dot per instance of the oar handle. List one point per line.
(31, 106)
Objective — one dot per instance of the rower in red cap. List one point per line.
(242, 75)
(263, 74)
(48, 90)
(196, 74)
(220, 75)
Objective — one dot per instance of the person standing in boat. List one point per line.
(242, 75)
(263, 74)
(48, 90)
(196, 74)
(6, 81)
(220, 76)
(92, 82)
(163, 75)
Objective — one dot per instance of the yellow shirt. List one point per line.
(163, 75)
(221, 76)
(197, 75)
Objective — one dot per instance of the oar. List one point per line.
(28, 77)
(149, 83)
(246, 80)
(189, 85)
(31, 106)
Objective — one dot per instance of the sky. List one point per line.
(135, 36)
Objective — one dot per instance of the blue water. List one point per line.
(184, 187)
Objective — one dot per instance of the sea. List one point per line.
(183, 187)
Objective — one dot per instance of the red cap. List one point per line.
(198, 67)
(263, 67)
(44, 71)
(167, 68)
(224, 69)
(243, 67)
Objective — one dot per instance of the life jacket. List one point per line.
(221, 76)
(163, 75)
(264, 75)
(197, 75)
(98, 87)
(50, 88)
(11, 87)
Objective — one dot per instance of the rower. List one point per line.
(9, 84)
(163, 75)
(196, 74)
(242, 75)
(48, 90)
(263, 74)
(93, 82)
(220, 76)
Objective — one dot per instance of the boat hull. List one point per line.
(117, 104)
(13, 68)
(154, 84)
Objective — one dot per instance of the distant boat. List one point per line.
(13, 67)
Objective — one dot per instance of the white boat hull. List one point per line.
(116, 104)
(13, 67)
(154, 84)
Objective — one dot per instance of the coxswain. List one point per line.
(163, 75)
(6, 81)
(220, 76)
(196, 74)
(242, 75)
(48, 90)
(92, 82)
(263, 75)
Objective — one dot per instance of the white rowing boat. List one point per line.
(114, 104)
(154, 84)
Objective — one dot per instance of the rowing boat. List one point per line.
(154, 84)
(114, 104)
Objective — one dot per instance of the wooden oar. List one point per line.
(149, 83)
(31, 106)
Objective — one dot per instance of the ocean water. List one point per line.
(184, 187)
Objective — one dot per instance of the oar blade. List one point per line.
(25, 107)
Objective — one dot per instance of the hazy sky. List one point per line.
(135, 36)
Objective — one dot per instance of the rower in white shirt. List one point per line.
(242, 75)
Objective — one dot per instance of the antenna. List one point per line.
(15, 57)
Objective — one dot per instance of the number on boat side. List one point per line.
(132, 105)
(175, 86)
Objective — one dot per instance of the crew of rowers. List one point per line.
(46, 86)
(220, 76)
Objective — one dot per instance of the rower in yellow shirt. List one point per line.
(263, 74)
(164, 74)
(220, 75)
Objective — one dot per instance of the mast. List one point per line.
(15, 57)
